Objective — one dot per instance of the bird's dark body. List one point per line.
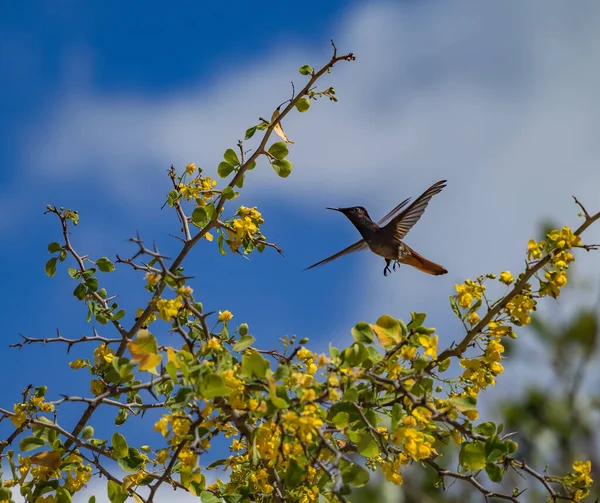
(386, 241)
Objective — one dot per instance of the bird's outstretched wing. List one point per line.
(402, 223)
(360, 245)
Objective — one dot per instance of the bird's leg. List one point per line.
(386, 269)
(396, 263)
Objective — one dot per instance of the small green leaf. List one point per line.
(282, 167)
(50, 266)
(87, 432)
(80, 291)
(416, 320)
(454, 306)
(213, 385)
(239, 183)
(119, 445)
(494, 472)
(116, 494)
(132, 462)
(367, 446)
(355, 475)
(278, 402)
(303, 104)
(294, 474)
(105, 265)
(487, 429)
(208, 497)
(279, 150)
(472, 455)
(30, 443)
(54, 247)
(250, 132)
(245, 342)
(306, 70)
(231, 157)
(228, 193)
(224, 169)
(199, 216)
(253, 364)
(62, 495)
(92, 499)
(341, 420)
(362, 332)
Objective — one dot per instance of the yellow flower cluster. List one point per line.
(520, 307)
(308, 357)
(482, 371)
(391, 468)
(468, 292)
(78, 474)
(178, 423)
(268, 440)
(200, 189)
(169, 308)
(430, 345)
(304, 425)
(580, 479)
(417, 444)
(244, 228)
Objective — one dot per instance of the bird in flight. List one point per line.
(386, 241)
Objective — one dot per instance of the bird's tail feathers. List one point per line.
(422, 264)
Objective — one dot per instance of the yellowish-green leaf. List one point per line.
(144, 350)
(472, 456)
(388, 330)
(278, 129)
(119, 445)
(49, 459)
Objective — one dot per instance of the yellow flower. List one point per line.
(162, 455)
(225, 316)
(103, 354)
(152, 279)
(20, 417)
(506, 277)
(408, 352)
(168, 309)
(430, 345)
(208, 236)
(190, 168)
(473, 318)
(97, 387)
(534, 249)
(162, 426)
(78, 364)
(308, 395)
(213, 344)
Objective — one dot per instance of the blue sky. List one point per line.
(97, 101)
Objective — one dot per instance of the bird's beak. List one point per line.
(335, 209)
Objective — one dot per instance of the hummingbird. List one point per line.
(386, 241)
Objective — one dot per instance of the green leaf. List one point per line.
(454, 306)
(340, 420)
(172, 197)
(74, 273)
(54, 247)
(199, 216)
(228, 193)
(231, 157)
(122, 416)
(208, 497)
(92, 284)
(80, 291)
(472, 455)
(62, 495)
(303, 104)
(30, 443)
(213, 385)
(239, 183)
(367, 446)
(387, 330)
(245, 342)
(443, 365)
(397, 413)
(295, 474)
(250, 132)
(132, 462)
(487, 429)
(87, 432)
(50, 266)
(224, 169)
(105, 265)
(362, 332)
(279, 150)
(355, 475)
(251, 166)
(306, 70)
(116, 494)
(416, 320)
(253, 364)
(282, 167)
(92, 499)
(494, 472)
(278, 402)
(495, 448)
(119, 445)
